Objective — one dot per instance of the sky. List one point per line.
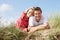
(11, 9)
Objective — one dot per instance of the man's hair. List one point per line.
(38, 8)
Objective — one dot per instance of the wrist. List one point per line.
(29, 28)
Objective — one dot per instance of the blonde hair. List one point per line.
(29, 9)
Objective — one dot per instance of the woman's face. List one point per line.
(30, 12)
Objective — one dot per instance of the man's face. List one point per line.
(30, 12)
(37, 15)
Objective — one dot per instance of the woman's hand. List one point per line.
(25, 29)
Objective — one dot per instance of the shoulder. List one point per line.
(22, 15)
(44, 18)
(32, 17)
(31, 21)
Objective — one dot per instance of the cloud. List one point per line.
(5, 7)
(7, 21)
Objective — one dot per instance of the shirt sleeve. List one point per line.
(19, 22)
(31, 21)
(45, 20)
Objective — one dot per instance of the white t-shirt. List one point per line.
(33, 22)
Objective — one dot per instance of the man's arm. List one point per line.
(43, 26)
(31, 22)
(33, 28)
(39, 27)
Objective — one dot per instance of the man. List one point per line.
(37, 22)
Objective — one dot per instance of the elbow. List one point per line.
(47, 26)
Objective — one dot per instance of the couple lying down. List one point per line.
(32, 20)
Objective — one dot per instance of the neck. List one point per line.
(38, 19)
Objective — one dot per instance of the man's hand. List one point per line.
(29, 28)
(32, 29)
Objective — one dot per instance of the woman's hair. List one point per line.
(29, 9)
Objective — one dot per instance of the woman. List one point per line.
(22, 22)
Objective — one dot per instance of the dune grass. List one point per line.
(10, 32)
